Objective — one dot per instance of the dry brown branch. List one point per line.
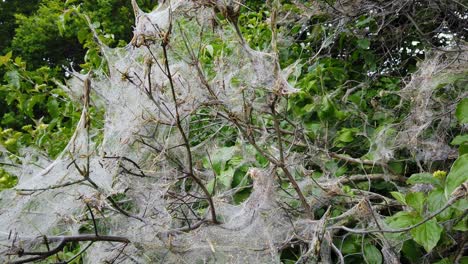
(62, 242)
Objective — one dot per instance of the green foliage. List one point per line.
(399, 197)
(255, 29)
(8, 10)
(36, 111)
(37, 39)
(459, 140)
(230, 170)
(7, 180)
(333, 108)
(372, 254)
(458, 174)
(462, 111)
(402, 219)
(423, 178)
(358, 250)
(429, 233)
(416, 200)
(69, 251)
(55, 35)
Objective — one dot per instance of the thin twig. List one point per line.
(62, 242)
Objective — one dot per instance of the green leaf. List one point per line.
(364, 22)
(346, 135)
(412, 251)
(240, 179)
(372, 254)
(350, 246)
(460, 205)
(423, 178)
(210, 50)
(241, 196)
(13, 78)
(95, 24)
(219, 158)
(462, 225)
(463, 149)
(460, 139)
(61, 24)
(444, 261)
(236, 160)
(31, 102)
(462, 111)
(437, 200)
(458, 174)
(8, 119)
(58, 92)
(402, 219)
(53, 107)
(5, 59)
(427, 234)
(210, 186)
(312, 129)
(82, 35)
(363, 43)
(327, 110)
(399, 197)
(226, 176)
(396, 166)
(308, 108)
(416, 201)
(223, 154)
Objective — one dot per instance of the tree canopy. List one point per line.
(281, 131)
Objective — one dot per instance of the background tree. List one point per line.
(8, 9)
